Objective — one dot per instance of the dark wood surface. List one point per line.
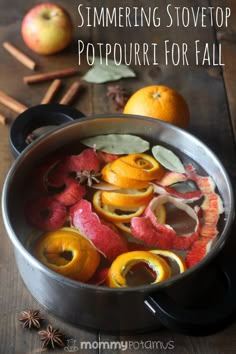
(210, 93)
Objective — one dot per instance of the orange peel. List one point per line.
(116, 277)
(68, 253)
(138, 166)
(159, 212)
(124, 226)
(116, 179)
(131, 197)
(172, 256)
(114, 213)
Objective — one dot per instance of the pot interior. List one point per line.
(67, 137)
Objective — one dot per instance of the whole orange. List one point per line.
(159, 102)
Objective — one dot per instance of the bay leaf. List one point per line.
(105, 72)
(117, 143)
(168, 159)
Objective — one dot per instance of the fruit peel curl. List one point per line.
(116, 277)
(147, 228)
(105, 237)
(187, 197)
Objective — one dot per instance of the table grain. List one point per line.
(210, 93)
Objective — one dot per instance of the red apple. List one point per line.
(47, 28)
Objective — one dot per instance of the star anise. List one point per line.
(88, 177)
(30, 319)
(51, 337)
(118, 95)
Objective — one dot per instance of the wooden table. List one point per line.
(210, 93)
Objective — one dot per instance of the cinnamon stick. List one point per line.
(71, 93)
(12, 103)
(19, 55)
(31, 79)
(3, 119)
(53, 88)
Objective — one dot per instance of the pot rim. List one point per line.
(77, 284)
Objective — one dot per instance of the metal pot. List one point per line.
(175, 303)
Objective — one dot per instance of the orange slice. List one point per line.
(114, 213)
(138, 166)
(123, 264)
(173, 256)
(124, 226)
(160, 213)
(112, 177)
(67, 252)
(130, 197)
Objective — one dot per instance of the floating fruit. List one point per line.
(171, 177)
(164, 236)
(143, 229)
(124, 263)
(198, 251)
(131, 197)
(87, 160)
(212, 205)
(106, 157)
(160, 214)
(68, 253)
(106, 239)
(124, 226)
(138, 166)
(39, 177)
(137, 206)
(115, 213)
(71, 193)
(116, 179)
(70, 165)
(173, 257)
(45, 213)
(188, 197)
(57, 173)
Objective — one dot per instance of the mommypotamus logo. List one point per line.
(118, 345)
(71, 346)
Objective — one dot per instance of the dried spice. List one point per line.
(168, 159)
(30, 319)
(88, 177)
(107, 71)
(51, 337)
(117, 143)
(119, 96)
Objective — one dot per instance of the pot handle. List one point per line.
(200, 321)
(50, 115)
